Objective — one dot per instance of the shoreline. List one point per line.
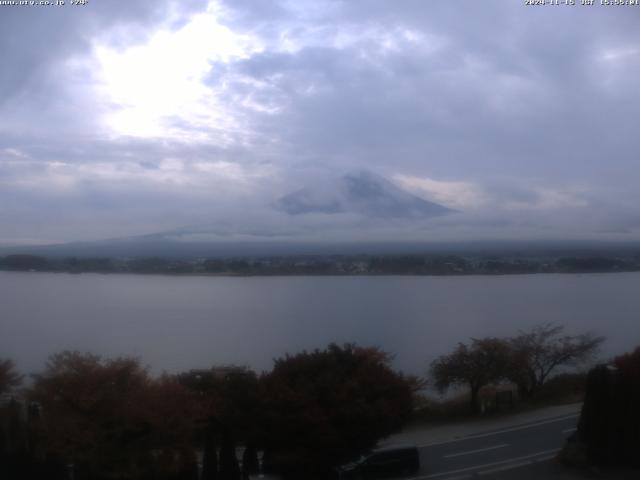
(332, 274)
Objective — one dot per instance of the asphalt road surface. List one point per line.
(490, 453)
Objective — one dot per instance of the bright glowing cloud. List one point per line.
(457, 194)
(156, 89)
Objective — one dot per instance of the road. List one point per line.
(488, 453)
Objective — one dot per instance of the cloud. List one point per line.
(458, 194)
(145, 116)
(360, 192)
(34, 39)
(156, 87)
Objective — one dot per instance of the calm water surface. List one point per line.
(177, 323)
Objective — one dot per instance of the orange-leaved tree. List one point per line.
(109, 416)
(326, 406)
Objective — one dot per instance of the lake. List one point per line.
(178, 323)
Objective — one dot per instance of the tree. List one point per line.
(327, 406)
(229, 407)
(250, 463)
(536, 354)
(107, 416)
(9, 378)
(229, 467)
(609, 427)
(209, 458)
(23, 262)
(476, 365)
(629, 365)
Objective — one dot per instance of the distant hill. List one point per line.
(168, 245)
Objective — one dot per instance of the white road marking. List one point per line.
(469, 452)
(569, 430)
(459, 477)
(498, 432)
(546, 454)
(511, 466)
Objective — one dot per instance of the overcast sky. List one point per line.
(128, 117)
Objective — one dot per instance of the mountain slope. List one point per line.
(363, 193)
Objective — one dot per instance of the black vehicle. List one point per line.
(386, 462)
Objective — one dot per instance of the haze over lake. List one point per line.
(178, 323)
